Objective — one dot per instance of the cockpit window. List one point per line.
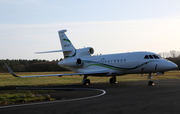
(146, 57)
(151, 57)
(155, 56)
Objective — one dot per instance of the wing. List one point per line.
(86, 73)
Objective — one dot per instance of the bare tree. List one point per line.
(173, 53)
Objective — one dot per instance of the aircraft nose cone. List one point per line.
(172, 65)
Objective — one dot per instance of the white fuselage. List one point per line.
(119, 64)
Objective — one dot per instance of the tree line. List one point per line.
(170, 54)
(34, 65)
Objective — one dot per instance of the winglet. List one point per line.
(9, 69)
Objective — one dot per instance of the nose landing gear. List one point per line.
(150, 77)
(151, 83)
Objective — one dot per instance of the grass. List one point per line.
(13, 96)
(22, 96)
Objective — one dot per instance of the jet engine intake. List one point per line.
(91, 50)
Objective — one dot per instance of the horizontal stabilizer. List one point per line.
(53, 51)
(86, 73)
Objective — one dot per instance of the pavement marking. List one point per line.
(58, 101)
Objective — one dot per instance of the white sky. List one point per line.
(109, 26)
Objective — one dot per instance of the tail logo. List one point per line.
(67, 40)
(67, 45)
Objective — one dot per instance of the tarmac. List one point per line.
(134, 97)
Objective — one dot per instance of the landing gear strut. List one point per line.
(150, 77)
(85, 81)
(113, 80)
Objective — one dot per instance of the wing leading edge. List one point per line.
(86, 73)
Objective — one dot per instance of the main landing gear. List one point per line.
(85, 81)
(113, 80)
(150, 77)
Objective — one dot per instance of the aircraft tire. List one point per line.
(151, 83)
(86, 82)
(112, 80)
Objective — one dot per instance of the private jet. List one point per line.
(83, 62)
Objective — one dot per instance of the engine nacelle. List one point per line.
(76, 61)
(79, 62)
(72, 62)
(85, 51)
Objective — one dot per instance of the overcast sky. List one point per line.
(109, 26)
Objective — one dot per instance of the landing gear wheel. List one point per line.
(86, 82)
(112, 80)
(151, 83)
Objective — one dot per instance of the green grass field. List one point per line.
(12, 96)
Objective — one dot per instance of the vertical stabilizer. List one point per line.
(66, 44)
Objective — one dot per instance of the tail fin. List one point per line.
(66, 45)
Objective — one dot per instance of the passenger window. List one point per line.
(114, 61)
(146, 57)
(151, 57)
(118, 60)
(108, 61)
(155, 56)
(111, 61)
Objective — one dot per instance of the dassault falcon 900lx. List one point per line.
(82, 62)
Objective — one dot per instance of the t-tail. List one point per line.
(67, 47)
